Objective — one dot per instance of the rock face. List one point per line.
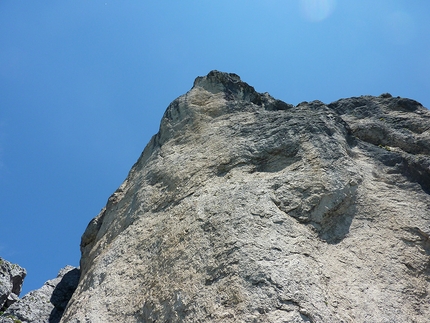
(47, 304)
(11, 279)
(246, 209)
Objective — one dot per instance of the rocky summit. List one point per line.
(244, 208)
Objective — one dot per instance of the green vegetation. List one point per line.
(14, 318)
(384, 147)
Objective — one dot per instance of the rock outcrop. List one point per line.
(11, 280)
(46, 304)
(244, 208)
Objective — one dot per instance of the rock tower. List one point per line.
(243, 208)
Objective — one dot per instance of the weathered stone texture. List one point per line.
(246, 209)
(46, 304)
(11, 280)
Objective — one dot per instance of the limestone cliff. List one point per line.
(246, 209)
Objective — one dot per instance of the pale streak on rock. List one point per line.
(246, 209)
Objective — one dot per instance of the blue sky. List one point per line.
(84, 84)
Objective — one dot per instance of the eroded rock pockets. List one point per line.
(397, 129)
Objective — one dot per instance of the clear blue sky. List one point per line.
(84, 84)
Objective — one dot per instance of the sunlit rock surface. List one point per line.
(246, 209)
(46, 304)
(11, 280)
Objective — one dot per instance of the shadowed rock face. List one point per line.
(246, 209)
(46, 304)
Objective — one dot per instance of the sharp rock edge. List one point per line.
(46, 304)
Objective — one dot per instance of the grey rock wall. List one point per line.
(11, 280)
(46, 304)
(244, 208)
